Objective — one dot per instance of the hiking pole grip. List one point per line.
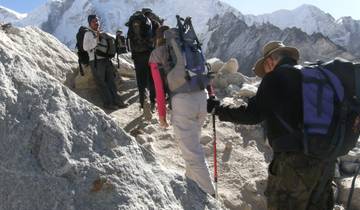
(215, 155)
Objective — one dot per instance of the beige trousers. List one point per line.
(188, 115)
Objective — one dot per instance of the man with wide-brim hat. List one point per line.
(293, 176)
(271, 48)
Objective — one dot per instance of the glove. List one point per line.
(211, 75)
(212, 103)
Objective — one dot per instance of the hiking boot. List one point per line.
(111, 106)
(147, 111)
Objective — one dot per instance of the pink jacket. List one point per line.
(159, 87)
(160, 91)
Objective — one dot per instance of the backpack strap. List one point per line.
(282, 144)
(81, 68)
(357, 83)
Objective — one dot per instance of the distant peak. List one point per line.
(12, 12)
(309, 7)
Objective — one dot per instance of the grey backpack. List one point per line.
(106, 46)
(189, 72)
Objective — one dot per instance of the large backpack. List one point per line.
(331, 108)
(189, 72)
(83, 57)
(106, 46)
(140, 33)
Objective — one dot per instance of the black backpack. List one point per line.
(140, 33)
(348, 123)
(83, 57)
(331, 101)
(120, 43)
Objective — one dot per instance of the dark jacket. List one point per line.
(279, 96)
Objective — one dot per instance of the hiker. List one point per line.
(141, 43)
(120, 42)
(294, 178)
(101, 67)
(188, 114)
(121, 46)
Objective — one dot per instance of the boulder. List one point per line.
(215, 64)
(230, 67)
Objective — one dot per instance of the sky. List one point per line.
(21, 6)
(337, 8)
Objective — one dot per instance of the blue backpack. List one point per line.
(189, 71)
(331, 108)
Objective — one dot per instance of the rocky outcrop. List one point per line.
(227, 74)
(59, 151)
(233, 38)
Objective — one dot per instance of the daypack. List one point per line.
(83, 57)
(331, 108)
(120, 44)
(140, 33)
(106, 46)
(189, 72)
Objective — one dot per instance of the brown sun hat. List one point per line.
(270, 48)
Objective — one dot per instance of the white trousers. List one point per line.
(188, 115)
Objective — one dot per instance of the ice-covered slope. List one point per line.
(62, 18)
(8, 15)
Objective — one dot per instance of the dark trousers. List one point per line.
(143, 76)
(104, 75)
(294, 182)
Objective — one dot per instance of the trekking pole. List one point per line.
(118, 60)
(215, 155)
(352, 188)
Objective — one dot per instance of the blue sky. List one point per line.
(22, 6)
(337, 8)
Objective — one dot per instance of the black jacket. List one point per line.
(279, 96)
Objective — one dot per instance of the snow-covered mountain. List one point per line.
(62, 18)
(232, 37)
(8, 15)
(344, 31)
